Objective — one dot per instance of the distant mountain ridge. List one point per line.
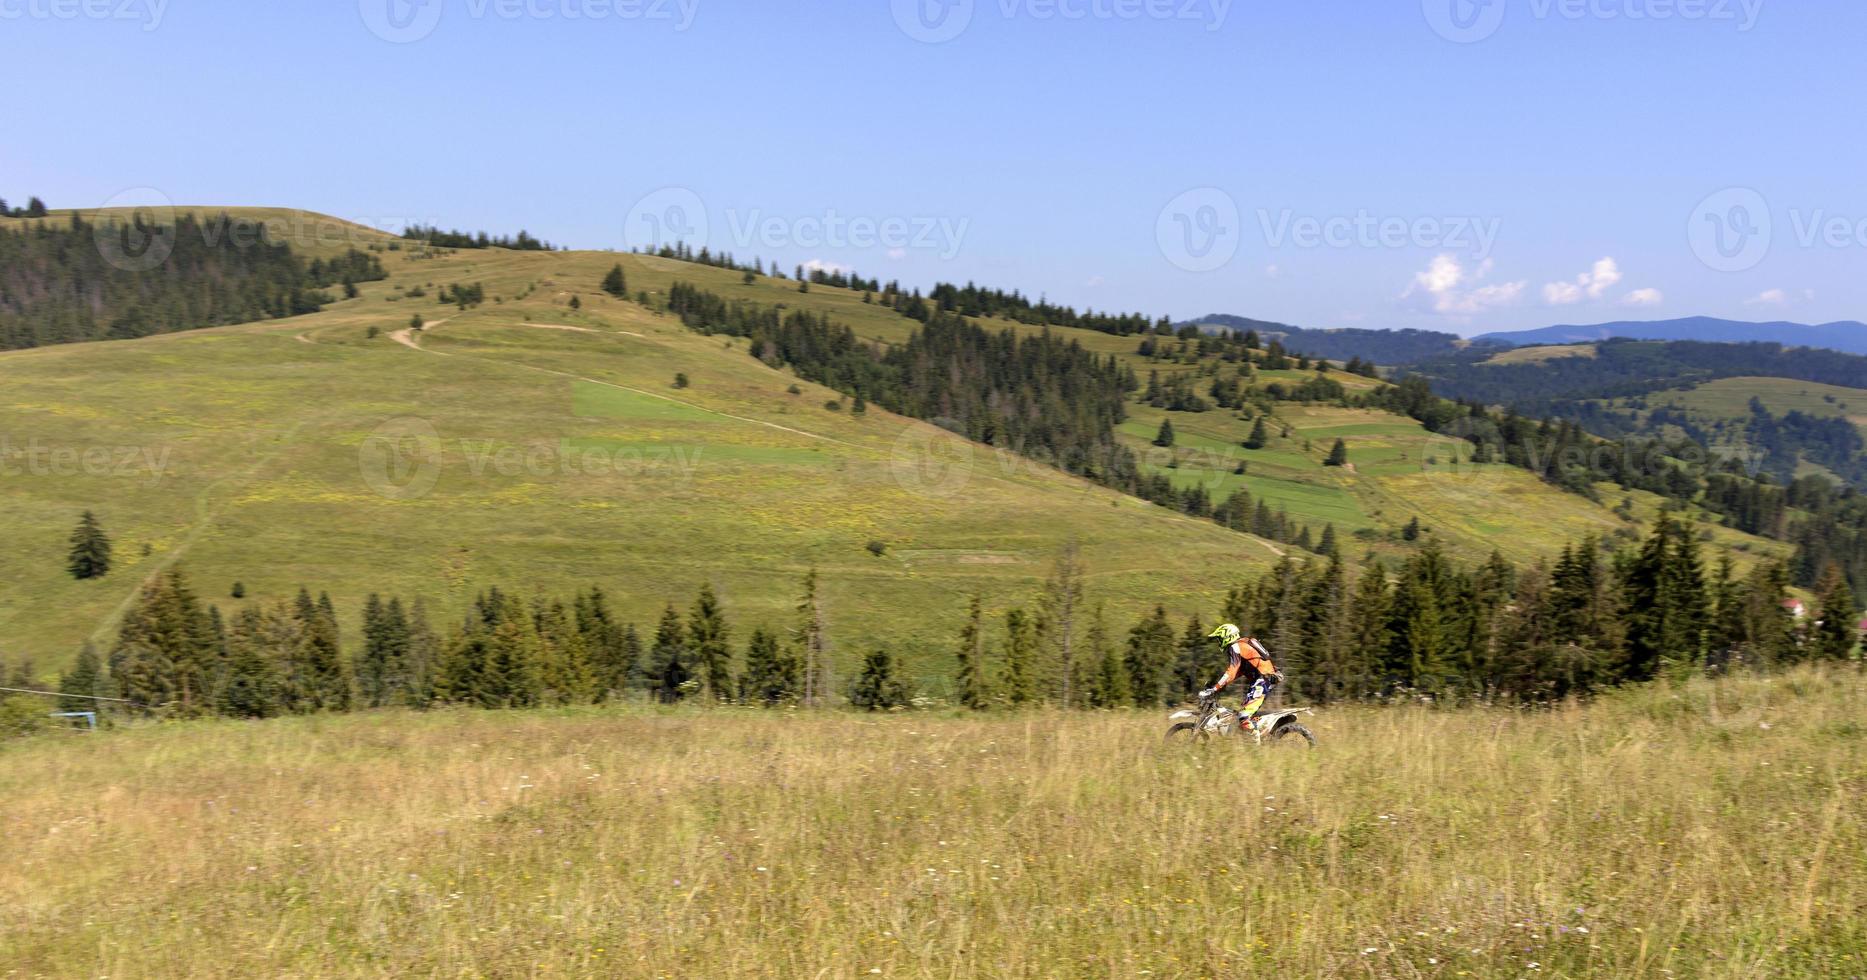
(1380, 346)
(1849, 336)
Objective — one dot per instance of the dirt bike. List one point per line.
(1278, 728)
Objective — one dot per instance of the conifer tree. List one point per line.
(90, 549)
(83, 682)
(1259, 437)
(1338, 454)
(1108, 680)
(325, 681)
(811, 637)
(1150, 659)
(707, 636)
(1164, 438)
(971, 688)
(1059, 608)
(877, 688)
(251, 688)
(615, 283)
(771, 672)
(670, 663)
(564, 661)
(1018, 680)
(1837, 631)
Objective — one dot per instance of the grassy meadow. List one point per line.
(1710, 830)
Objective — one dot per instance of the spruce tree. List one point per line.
(707, 636)
(1108, 680)
(877, 688)
(83, 682)
(1164, 438)
(1259, 436)
(1149, 659)
(1338, 455)
(771, 672)
(970, 687)
(90, 549)
(1019, 677)
(1837, 631)
(615, 284)
(670, 663)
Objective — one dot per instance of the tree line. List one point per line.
(435, 237)
(182, 656)
(34, 208)
(57, 284)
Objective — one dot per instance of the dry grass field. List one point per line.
(1712, 830)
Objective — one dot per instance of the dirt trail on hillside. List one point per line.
(406, 335)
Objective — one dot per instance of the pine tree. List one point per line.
(564, 659)
(876, 687)
(1108, 676)
(771, 673)
(90, 549)
(325, 681)
(707, 635)
(670, 670)
(811, 636)
(166, 654)
(1338, 455)
(1259, 436)
(1018, 679)
(1150, 659)
(615, 284)
(971, 688)
(1837, 631)
(83, 682)
(1327, 547)
(252, 685)
(1059, 608)
(1164, 438)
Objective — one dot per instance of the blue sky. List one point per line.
(1393, 164)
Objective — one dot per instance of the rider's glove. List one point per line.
(1277, 677)
(1206, 695)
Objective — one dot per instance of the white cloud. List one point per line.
(819, 265)
(1454, 291)
(1644, 297)
(1095, 281)
(1769, 297)
(1272, 271)
(897, 253)
(1593, 284)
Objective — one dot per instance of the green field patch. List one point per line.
(597, 401)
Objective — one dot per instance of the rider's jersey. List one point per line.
(1246, 650)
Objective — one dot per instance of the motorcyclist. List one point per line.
(1263, 676)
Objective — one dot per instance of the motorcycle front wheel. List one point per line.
(1186, 733)
(1294, 736)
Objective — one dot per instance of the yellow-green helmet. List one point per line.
(1227, 632)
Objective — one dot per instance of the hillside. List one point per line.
(566, 457)
(563, 455)
(1848, 335)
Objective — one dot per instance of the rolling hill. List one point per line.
(540, 441)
